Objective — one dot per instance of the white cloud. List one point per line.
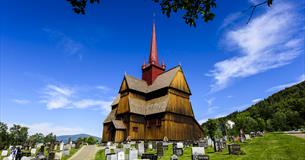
(256, 100)
(283, 86)
(103, 88)
(68, 45)
(55, 96)
(21, 101)
(63, 97)
(268, 41)
(87, 103)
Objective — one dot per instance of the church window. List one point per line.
(135, 129)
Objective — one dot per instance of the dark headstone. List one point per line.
(200, 157)
(234, 148)
(160, 150)
(178, 151)
(154, 144)
(51, 156)
(149, 156)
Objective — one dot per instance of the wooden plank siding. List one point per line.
(123, 106)
(179, 104)
(120, 135)
(179, 82)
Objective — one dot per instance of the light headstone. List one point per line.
(179, 145)
(4, 153)
(133, 154)
(141, 148)
(61, 146)
(121, 155)
(33, 151)
(198, 153)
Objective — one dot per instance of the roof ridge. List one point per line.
(170, 69)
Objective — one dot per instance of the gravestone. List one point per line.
(26, 158)
(179, 145)
(202, 157)
(133, 154)
(210, 142)
(165, 145)
(150, 146)
(66, 152)
(234, 148)
(61, 146)
(145, 145)
(197, 153)
(4, 153)
(160, 150)
(218, 145)
(178, 151)
(149, 156)
(107, 151)
(51, 156)
(174, 157)
(154, 144)
(203, 143)
(121, 155)
(247, 136)
(141, 148)
(113, 157)
(58, 155)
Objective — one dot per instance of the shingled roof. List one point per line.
(111, 116)
(162, 81)
(153, 106)
(118, 124)
(116, 100)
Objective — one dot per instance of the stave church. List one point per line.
(152, 108)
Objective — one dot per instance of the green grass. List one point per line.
(100, 155)
(273, 146)
(72, 152)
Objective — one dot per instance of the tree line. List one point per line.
(281, 111)
(18, 135)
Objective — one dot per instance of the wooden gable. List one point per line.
(123, 106)
(124, 86)
(179, 82)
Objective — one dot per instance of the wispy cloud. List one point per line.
(283, 86)
(21, 101)
(211, 107)
(63, 97)
(269, 41)
(66, 43)
(256, 100)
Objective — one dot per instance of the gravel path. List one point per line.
(86, 153)
(298, 135)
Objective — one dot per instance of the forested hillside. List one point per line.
(281, 111)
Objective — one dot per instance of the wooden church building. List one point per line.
(154, 107)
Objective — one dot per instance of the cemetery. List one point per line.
(54, 150)
(266, 146)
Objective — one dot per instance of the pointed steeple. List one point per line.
(153, 57)
(153, 69)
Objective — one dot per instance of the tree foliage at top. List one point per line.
(192, 9)
(281, 111)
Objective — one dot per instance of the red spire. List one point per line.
(153, 57)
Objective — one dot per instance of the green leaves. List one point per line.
(80, 5)
(193, 9)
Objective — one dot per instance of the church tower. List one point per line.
(151, 70)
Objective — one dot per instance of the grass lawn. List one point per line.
(72, 152)
(273, 146)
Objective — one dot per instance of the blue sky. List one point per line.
(60, 71)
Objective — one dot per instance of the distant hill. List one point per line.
(65, 138)
(284, 110)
